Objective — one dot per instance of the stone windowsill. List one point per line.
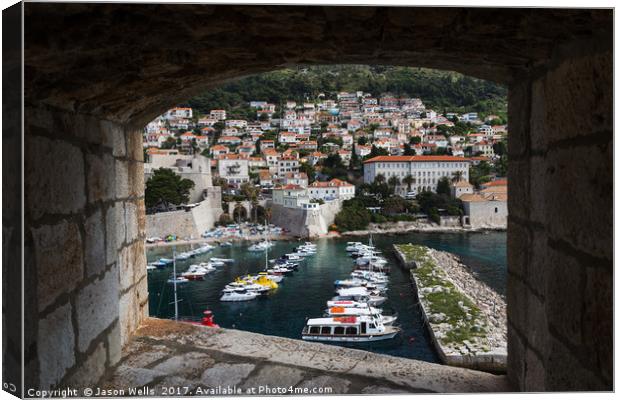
(165, 353)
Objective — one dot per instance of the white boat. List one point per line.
(365, 297)
(371, 259)
(249, 286)
(273, 277)
(348, 304)
(182, 256)
(353, 246)
(293, 257)
(150, 267)
(359, 311)
(178, 280)
(237, 295)
(348, 329)
(222, 260)
(261, 246)
(226, 244)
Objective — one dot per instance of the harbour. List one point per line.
(284, 311)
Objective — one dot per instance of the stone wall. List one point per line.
(560, 270)
(192, 223)
(305, 223)
(84, 236)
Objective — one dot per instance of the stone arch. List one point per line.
(240, 213)
(85, 99)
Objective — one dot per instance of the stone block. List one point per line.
(97, 307)
(576, 88)
(225, 374)
(598, 319)
(517, 295)
(122, 179)
(518, 249)
(516, 361)
(519, 189)
(126, 377)
(535, 373)
(564, 295)
(94, 239)
(537, 327)
(275, 376)
(135, 150)
(114, 345)
(55, 346)
(128, 315)
(565, 372)
(579, 195)
(59, 260)
(336, 385)
(115, 231)
(132, 260)
(189, 365)
(90, 370)
(519, 115)
(131, 222)
(539, 266)
(115, 137)
(101, 177)
(135, 174)
(54, 177)
(540, 178)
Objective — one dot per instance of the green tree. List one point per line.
(408, 180)
(443, 186)
(393, 183)
(165, 187)
(352, 216)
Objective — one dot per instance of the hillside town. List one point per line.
(301, 164)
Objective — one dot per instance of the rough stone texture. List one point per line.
(58, 253)
(91, 370)
(95, 308)
(336, 385)
(282, 376)
(55, 359)
(225, 374)
(94, 239)
(560, 244)
(101, 177)
(92, 81)
(168, 351)
(54, 177)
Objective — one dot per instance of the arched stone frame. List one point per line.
(83, 118)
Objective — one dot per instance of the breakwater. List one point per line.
(466, 319)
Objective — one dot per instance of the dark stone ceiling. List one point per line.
(129, 62)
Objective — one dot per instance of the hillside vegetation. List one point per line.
(444, 91)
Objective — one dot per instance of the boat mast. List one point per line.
(174, 283)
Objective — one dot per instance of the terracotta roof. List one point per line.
(289, 187)
(462, 183)
(415, 158)
(332, 183)
(498, 182)
(472, 198)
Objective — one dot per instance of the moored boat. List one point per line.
(347, 329)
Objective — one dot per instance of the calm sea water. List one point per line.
(303, 294)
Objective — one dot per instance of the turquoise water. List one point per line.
(303, 294)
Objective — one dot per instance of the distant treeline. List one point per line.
(444, 91)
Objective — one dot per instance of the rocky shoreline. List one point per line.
(407, 227)
(473, 332)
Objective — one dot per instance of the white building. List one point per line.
(426, 171)
(287, 164)
(220, 115)
(233, 168)
(178, 112)
(334, 189)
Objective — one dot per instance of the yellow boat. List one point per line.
(264, 281)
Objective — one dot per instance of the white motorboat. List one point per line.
(273, 277)
(178, 280)
(150, 267)
(354, 246)
(226, 244)
(237, 295)
(359, 311)
(372, 300)
(222, 260)
(249, 286)
(349, 304)
(348, 329)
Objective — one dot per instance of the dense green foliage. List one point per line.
(353, 216)
(443, 91)
(165, 187)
